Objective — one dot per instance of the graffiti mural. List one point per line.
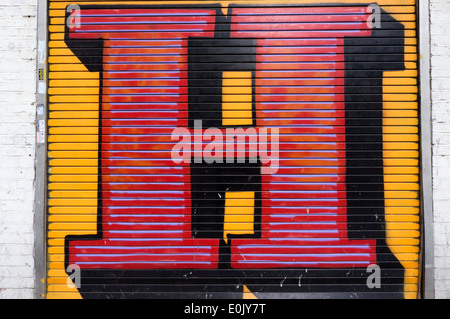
(229, 151)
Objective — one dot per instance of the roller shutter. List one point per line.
(236, 149)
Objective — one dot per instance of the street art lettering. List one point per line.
(207, 227)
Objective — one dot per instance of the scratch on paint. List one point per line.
(282, 282)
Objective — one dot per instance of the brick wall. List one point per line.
(17, 145)
(440, 77)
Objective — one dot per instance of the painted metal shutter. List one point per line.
(333, 212)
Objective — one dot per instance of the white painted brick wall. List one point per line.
(440, 86)
(17, 146)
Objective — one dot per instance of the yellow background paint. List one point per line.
(239, 214)
(237, 98)
(73, 144)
